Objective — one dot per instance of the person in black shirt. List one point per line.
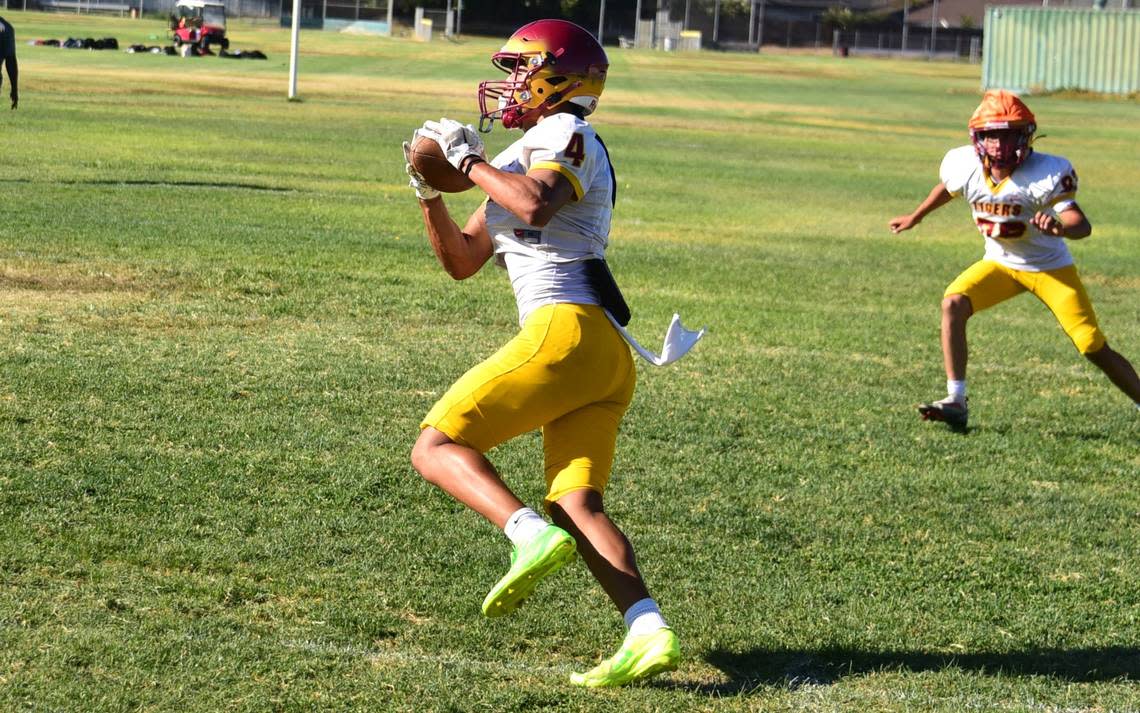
(8, 57)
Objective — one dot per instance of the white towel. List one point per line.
(678, 342)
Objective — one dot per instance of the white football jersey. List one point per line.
(545, 264)
(1003, 212)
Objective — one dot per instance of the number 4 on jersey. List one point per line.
(576, 149)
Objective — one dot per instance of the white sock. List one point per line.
(643, 618)
(524, 524)
(956, 390)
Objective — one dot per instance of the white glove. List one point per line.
(423, 189)
(457, 140)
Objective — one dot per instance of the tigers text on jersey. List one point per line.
(545, 264)
(1004, 211)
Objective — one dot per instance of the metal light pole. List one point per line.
(760, 30)
(686, 25)
(601, 20)
(933, 26)
(293, 49)
(751, 22)
(637, 25)
(906, 19)
(716, 21)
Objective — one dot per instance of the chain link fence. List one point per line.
(693, 25)
(957, 46)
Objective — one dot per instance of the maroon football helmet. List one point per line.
(548, 63)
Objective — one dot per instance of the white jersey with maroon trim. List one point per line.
(1004, 211)
(544, 264)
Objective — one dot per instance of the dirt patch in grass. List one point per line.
(64, 281)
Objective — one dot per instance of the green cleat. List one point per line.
(543, 555)
(639, 658)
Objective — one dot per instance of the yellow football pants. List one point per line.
(568, 372)
(987, 283)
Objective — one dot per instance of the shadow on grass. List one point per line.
(758, 668)
(1063, 432)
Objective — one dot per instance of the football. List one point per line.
(428, 159)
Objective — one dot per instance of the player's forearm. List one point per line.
(1076, 230)
(460, 256)
(1070, 223)
(938, 197)
(521, 195)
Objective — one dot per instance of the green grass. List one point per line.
(220, 324)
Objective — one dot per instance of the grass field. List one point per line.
(220, 324)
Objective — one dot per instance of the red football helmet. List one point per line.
(549, 63)
(1003, 111)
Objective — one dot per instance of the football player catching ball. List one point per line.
(569, 371)
(1023, 204)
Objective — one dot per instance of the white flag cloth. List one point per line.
(678, 342)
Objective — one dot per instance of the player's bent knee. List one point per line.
(957, 306)
(422, 452)
(419, 457)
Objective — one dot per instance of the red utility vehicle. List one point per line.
(200, 24)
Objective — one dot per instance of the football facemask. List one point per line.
(1002, 112)
(1003, 148)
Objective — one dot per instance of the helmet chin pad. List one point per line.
(587, 103)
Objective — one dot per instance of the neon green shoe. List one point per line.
(543, 555)
(639, 658)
